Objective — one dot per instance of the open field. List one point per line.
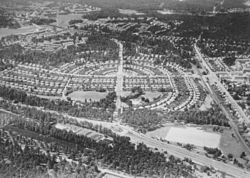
(207, 103)
(152, 95)
(125, 93)
(130, 12)
(193, 136)
(147, 95)
(63, 20)
(229, 144)
(87, 95)
(247, 3)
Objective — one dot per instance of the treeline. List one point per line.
(97, 110)
(213, 116)
(98, 40)
(75, 21)
(213, 151)
(42, 21)
(142, 119)
(229, 61)
(145, 120)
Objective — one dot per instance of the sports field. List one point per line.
(193, 135)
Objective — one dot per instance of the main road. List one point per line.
(161, 146)
(183, 153)
(119, 79)
(213, 77)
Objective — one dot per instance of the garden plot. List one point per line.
(193, 135)
(80, 131)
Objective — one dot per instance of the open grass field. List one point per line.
(247, 3)
(130, 12)
(87, 95)
(187, 134)
(207, 103)
(148, 95)
(63, 20)
(152, 95)
(229, 144)
(200, 137)
(193, 135)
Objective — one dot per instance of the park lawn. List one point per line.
(87, 95)
(130, 12)
(152, 95)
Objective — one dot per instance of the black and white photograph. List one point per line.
(124, 88)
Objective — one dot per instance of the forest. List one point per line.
(94, 42)
(42, 21)
(142, 118)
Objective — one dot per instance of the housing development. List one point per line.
(101, 89)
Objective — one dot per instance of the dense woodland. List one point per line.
(94, 42)
(42, 21)
(120, 154)
(145, 120)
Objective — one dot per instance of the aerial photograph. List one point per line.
(124, 88)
